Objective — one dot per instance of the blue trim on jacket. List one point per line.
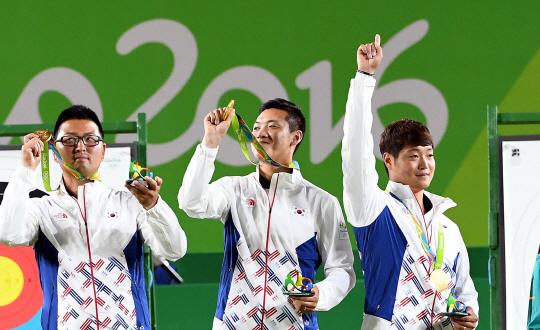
(382, 245)
(230, 256)
(47, 261)
(309, 260)
(134, 253)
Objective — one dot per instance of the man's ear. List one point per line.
(56, 159)
(389, 161)
(297, 138)
(103, 156)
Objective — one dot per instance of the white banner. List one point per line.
(521, 198)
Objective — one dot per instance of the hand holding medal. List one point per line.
(32, 150)
(45, 137)
(228, 110)
(244, 136)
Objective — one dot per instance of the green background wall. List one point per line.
(471, 53)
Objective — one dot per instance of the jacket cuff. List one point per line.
(156, 209)
(27, 177)
(366, 80)
(322, 304)
(208, 152)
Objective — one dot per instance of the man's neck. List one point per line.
(72, 184)
(419, 195)
(267, 170)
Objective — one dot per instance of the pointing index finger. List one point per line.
(377, 40)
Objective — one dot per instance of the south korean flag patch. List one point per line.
(299, 211)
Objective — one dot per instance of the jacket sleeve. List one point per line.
(362, 198)
(465, 290)
(19, 225)
(161, 231)
(197, 197)
(335, 248)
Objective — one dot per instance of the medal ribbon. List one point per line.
(425, 245)
(244, 136)
(45, 168)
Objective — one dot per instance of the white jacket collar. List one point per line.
(286, 180)
(404, 192)
(93, 187)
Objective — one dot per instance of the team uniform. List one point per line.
(292, 225)
(117, 227)
(399, 294)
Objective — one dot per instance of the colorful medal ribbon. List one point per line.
(243, 136)
(45, 137)
(440, 247)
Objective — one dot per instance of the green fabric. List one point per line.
(533, 319)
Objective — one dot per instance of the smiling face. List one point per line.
(85, 159)
(272, 131)
(414, 166)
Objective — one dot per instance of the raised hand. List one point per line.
(31, 151)
(215, 127)
(369, 56)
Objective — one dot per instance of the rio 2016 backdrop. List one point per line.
(443, 64)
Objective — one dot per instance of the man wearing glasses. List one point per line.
(88, 238)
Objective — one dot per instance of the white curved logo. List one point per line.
(324, 135)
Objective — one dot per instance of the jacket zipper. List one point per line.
(429, 244)
(270, 204)
(84, 216)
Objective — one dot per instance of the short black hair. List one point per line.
(79, 112)
(294, 118)
(404, 133)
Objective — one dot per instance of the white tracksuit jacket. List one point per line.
(117, 227)
(399, 294)
(305, 229)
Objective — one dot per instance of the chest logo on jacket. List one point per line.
(113, 214)
(299, 211)
(60, 216)
(249, 202)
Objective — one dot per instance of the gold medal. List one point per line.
(44, 135)
(440, 279)
(228, 110)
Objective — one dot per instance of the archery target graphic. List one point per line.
(20, 291)
(12, 278)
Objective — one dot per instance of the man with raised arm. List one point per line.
(414, 258)
(275, 222)
(88, 238)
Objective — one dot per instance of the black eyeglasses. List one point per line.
(88, 140)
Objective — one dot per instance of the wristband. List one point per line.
(366, 73)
